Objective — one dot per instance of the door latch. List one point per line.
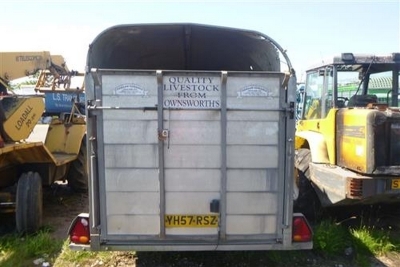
(163, 135)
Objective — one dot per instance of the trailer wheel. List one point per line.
(78, 174)
(29, 203)
(307, 201)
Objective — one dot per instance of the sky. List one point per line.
(309, 30)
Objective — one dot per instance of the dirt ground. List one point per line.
(61, 206)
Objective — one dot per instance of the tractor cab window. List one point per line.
(318, 93)
(349, 84)
(362, 89)
(381, 84)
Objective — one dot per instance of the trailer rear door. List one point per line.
(188, 158)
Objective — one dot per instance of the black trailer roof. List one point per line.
(184, 47)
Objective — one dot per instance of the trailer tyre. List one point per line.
(29, 203)
(307, 201)
(78, 174)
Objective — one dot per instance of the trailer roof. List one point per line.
(183, 47)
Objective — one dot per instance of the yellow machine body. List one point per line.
(15, 65)
(21, 116)
(350, 138)
(348, 133)
(62, 137)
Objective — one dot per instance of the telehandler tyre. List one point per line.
(29, 203)
(78, 173)
(307, 201)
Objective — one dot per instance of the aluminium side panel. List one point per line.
(131, 186)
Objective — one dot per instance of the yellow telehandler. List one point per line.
(41, 134)
(347, 136)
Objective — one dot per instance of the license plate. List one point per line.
(208, 220)
(395, 183)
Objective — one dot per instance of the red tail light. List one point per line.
(79, 232)
(301, 229)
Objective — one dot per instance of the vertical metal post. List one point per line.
(222, 226)
(395, 86)
(289, 168)
(161, 177)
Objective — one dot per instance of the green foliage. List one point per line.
(374, 241)
(331, 238)
(70, 257)
(18, 250)
(358, 244)
(41, 244)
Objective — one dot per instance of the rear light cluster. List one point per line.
(79, 233)
(301, 229)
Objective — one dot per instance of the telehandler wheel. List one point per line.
(77, 176)
(307, 201)
(29, 203)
